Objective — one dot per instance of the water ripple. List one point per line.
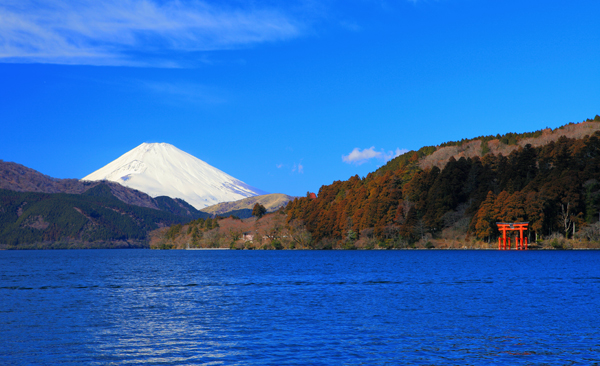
(296, 308)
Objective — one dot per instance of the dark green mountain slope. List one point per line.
(242, 214)
(16, 177)
(95, 218)
(179, 207)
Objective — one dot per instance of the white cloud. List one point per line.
(279, 166)
(123, 32)
(359, 157)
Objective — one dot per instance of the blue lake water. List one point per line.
(299, 307)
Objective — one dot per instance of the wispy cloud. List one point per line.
(421, 1)
(298, 168)
(393, 154)
(351, 26)
(132, 32)
(358, 156)
(295, 167)
(186, 92)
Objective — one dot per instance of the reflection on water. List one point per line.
(296, 308)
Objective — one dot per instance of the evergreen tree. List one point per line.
(259, 210)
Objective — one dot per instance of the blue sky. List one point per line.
(286, 96)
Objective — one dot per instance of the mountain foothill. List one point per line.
(452, 195)
(38, 211)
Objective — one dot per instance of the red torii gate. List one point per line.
(520, 242)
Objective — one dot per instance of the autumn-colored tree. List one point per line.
(513, 209)
(486, 217)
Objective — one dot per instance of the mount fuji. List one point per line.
(161, 169)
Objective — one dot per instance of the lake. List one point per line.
(124, 307)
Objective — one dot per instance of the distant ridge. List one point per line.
(272, 202)
(429, 156)
(506, 144)
(19, 178)
(161, 169)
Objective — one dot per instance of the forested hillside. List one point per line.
(267, 232)
(554, 184)
(95, 218)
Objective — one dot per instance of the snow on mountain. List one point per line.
(161, 169)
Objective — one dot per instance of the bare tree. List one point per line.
(235, 234)
(591, 232)
(420, 228)
(299, 235)
(565, 218)
(212, 238)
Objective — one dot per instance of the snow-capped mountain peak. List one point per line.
(161, 169)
